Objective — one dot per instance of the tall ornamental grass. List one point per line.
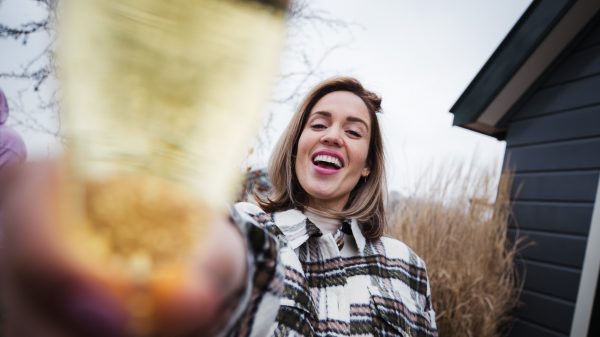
(458, 226)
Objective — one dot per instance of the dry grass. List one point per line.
(459, 229)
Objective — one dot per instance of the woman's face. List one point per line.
(333, 149)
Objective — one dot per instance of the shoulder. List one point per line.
(248, 208)
(253, 213)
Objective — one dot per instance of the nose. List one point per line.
(332, 137)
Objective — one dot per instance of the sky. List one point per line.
(418, 55)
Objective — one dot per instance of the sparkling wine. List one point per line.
(160, 101)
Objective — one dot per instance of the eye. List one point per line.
(354, 133)
(317, 126)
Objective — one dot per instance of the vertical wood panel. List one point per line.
(594, 329)
(589, 275)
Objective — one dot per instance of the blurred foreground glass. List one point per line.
(161, 99)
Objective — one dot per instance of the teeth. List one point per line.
(329, 159)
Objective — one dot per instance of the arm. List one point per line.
(259, 304)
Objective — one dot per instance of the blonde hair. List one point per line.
(366, 201)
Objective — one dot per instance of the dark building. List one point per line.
(540, 92)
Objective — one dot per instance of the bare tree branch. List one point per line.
(312, 67)
(24, 31)
(38, 76)
(35, 71)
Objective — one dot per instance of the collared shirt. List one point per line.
(303, 282)
(325, 224)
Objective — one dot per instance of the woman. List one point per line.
(335, 274)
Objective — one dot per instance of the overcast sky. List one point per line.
(418, 55)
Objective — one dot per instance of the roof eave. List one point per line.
(494, 89)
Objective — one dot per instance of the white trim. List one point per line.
(560, 36)
(589, 276)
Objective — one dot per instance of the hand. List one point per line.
(45, 294)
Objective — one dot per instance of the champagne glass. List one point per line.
(160, 101)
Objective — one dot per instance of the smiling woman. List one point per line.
(336, 123)
(332, 150)
(335, 273)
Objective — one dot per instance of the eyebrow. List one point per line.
(350, 118)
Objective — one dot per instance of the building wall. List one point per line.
(553, 146)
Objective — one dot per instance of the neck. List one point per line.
(334, 205)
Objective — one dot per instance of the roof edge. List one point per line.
(522, 40)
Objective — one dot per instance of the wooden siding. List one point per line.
(566, 96)
(567, 218)
(555, 156)
(553, 147)
(525, 328)
(581, 64)
(592, 39)
(556, 248)
(552, 313)
(550, 279)
(579, 123)
(572, 186)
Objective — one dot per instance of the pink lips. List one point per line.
(324, 170)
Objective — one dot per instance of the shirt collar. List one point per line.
(294, 226)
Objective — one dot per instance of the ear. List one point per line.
(365, 172)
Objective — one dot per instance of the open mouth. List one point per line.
(327, 161)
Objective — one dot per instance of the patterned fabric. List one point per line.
(336, 284)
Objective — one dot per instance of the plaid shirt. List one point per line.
(306, 283)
